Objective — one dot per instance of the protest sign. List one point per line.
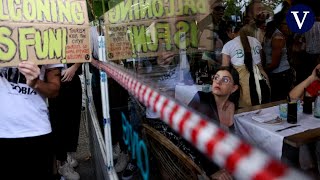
(146, 28)
(44, 31)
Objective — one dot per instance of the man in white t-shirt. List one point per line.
(24, 123)
(234, 51)
(253, 80)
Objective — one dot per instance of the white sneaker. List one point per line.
(68, 172)
(116, 151)
(121, 162)
(72, 161)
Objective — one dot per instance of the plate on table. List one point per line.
(268, 118)
(278, 120)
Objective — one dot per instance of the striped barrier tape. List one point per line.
(225, 149)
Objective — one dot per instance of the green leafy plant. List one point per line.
(232, 8)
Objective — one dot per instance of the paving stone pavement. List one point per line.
(83, 155)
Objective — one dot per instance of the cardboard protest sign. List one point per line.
(145, 28)
(44, 31)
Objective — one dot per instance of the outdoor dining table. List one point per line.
(185, 93)
(264, 135)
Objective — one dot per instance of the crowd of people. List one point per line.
(268, 67)
(250, 63)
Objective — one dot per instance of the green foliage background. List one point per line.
(231, 9)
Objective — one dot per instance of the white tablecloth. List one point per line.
(264, 136)
(185, 93)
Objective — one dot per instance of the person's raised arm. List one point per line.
(68, 74)
(297, 92)
(50, 87)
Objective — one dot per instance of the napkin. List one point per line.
(264, 117)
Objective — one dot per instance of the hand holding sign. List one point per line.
(46, 32)
(31, 71)
(69, 73)
(165, 58)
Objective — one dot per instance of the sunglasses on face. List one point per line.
(224, 79)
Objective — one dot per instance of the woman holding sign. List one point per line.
(25, 130)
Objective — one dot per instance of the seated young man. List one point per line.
(311, 84)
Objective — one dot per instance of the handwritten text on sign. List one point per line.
(43, 31)
(147, 27)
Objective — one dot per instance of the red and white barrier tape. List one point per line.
(225, 149)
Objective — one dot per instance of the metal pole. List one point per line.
(106, 112)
